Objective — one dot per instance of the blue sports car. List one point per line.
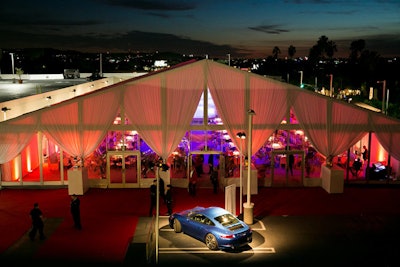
(216, 227)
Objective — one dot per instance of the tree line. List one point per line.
(361, 70)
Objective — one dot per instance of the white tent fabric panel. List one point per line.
(79, 126)
(332, 126)
(164, 106)
(228, 89)
(388, 133)
(15, 136)
(269, 99)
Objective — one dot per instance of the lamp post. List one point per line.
(241, 136)
(301, 78)
(330, 85)
(248, 206)
(383, 94)
(101, 65)
(12, 62)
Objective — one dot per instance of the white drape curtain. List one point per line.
(227, 88)
(269, 100)
(79, 126)
(387, 132)
(164, 106)
(311, 112)
(347, 126)
(235, 92)
(15, 135)
(332, 127)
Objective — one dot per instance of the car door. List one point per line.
(197, 227)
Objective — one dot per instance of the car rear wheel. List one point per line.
(211, 242)
(177, 226)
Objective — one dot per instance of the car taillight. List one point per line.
(228, 236)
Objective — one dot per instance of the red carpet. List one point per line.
(109, 216)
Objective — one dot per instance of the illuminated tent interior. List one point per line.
(160, 106)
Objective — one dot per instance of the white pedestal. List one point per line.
(78, 182)
(332, 179)
(248, 213)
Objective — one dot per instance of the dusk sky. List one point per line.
(247, 28)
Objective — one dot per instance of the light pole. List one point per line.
(101, 65)
(248, 207)
(330, 84)
(315, 83)
(241, 136)
(12, 62)
(387, 100)
(301, 79)
(383, 94)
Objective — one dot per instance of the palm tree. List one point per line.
(19, 72)
(324, 47)
(356, 47)
(291, 51)
(330, 49)
(322, 42)
(275, 52)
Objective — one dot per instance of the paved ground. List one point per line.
(346, 240)
(357, 228)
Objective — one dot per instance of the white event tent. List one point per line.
(161, 106)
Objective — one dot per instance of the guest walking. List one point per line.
(291, 162)
(193, 181)
(365, 153)
(162, 188)
(75, 211)
(153, 197)
(37, 222)
(214, 179)
(168, 199)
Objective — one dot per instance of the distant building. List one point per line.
(71, 74)
(160, 64)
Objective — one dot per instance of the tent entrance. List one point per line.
(204, 161)
(287, 168)
(123, 169)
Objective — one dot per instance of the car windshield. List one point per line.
(227, 219)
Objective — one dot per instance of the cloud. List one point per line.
(131, 41)
(170, 5)
(270, 29)
(300, 2)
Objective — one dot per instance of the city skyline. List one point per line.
(215, 28)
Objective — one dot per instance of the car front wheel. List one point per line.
(177, 226)
(211, 242)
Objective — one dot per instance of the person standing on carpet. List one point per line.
(168, 199)
(291, 163)
(75, 211)
(214, 179)
(37, 222)
(193, 181)
(153, 197)
(162, 188)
